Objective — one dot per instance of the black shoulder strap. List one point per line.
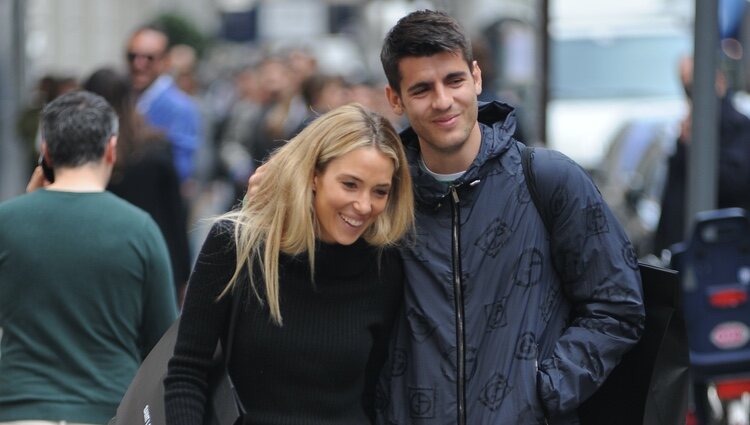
(527, 157)
(236, 300)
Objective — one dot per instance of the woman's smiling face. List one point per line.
(351, 193)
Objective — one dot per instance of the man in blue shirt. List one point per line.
(163, 104)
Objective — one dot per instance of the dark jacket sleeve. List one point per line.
(598, 270)
(203, 321)
(734, 157)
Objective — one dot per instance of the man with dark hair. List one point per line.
(503, 323)
(85, 282)
(163, 104)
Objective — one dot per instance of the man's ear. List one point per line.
(110, 152)
(476, 74)
(394, 100)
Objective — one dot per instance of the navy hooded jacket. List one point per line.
(504, 323)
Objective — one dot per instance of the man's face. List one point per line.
(439, 97)
(146, 57)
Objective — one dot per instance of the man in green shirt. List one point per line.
(85, 280)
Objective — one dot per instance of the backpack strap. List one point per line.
(527, 158)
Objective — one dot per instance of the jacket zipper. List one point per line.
(458, 297)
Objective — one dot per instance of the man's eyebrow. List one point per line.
(456, 74)
(426, 84)
(419, 86)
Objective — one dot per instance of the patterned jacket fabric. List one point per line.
(526, 325)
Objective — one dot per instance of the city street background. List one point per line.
(596, 80)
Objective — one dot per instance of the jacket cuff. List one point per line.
(548, 397)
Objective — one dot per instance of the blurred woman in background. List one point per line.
(144, 173)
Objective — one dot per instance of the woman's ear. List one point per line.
(314, 183)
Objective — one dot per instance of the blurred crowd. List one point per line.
(244, 111)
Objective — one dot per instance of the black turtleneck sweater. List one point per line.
(321, 366)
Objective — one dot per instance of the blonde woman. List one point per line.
(319, 235)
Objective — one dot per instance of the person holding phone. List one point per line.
(49, 173)
(85, 281)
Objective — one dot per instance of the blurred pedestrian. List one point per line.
(183, 64)
(85, 283)
(325, 282)
(236, 143)
(284, 111)
(484, 55)
(322, 93)
(733, 179)
(733, 168)
(164, 105)
(48, 88)
(144, 173)
(370, 94)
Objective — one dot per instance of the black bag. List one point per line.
(650, 385)
(143, 402)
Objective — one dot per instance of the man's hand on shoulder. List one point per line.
(254, 182)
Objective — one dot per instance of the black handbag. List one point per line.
(143, 402)
(650, 385)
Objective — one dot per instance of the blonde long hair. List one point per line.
(280, 217)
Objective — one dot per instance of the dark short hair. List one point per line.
(76, 127)
(419, 34)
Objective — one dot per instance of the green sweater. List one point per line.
(85, 292)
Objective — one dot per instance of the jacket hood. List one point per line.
(497, 122)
